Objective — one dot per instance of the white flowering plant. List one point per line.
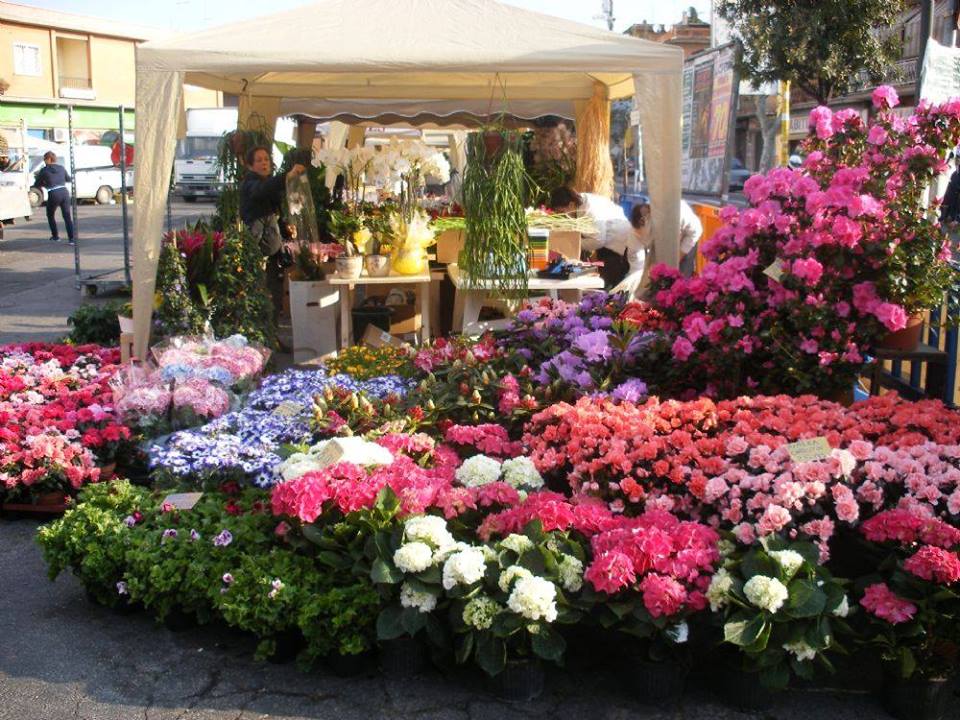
(531, 585)
(781, 608)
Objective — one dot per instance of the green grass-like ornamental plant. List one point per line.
(495, 189)
(781, 608)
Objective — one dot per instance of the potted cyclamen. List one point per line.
(911, 604)
(782, 610)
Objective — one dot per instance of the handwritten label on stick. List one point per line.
(183, 501)
(775, 270)
(809, 450)
(289, 408)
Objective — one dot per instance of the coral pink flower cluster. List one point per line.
(487, 439)
(56, 415)
(727, 463)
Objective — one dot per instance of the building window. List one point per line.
(26, 59)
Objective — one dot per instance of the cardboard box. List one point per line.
(376, 338)
(405, 319)
(449, 245)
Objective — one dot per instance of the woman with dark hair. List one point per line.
(261, 199)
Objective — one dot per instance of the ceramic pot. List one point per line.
(377, 265)
(349, 266)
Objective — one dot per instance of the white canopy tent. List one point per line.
(403, 50)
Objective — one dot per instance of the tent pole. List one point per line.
(73, 197)
(123, 200)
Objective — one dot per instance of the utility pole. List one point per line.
(927, 8)
(606, 14)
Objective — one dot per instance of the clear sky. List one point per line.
(190, 15)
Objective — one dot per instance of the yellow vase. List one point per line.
(410, 260)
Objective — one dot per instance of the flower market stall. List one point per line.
(665, 489)
(408, 51)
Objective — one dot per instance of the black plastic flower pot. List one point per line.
(655, 682)
(743, 690)
(917, 698)
(404, 656)
(519, 681)
(348, 665)
(287, 645)
(178, 620)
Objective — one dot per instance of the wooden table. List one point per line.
(469, 301)
(346, 286)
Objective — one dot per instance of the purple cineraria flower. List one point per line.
(223, 539)
(594, 345)
(632, 390)
(122, 588)
(129, 521)
(168, 534)
(194, 535)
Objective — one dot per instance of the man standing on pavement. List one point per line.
(54, 178)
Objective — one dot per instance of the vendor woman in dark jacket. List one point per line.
(261, 198)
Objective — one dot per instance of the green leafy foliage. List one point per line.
(818, 46)
(97, 323)
(239, 301)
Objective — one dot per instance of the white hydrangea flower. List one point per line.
(766, 593)
(428, 529)
(719, 591)
(534, 598)
(477, 471)
(413, 557)
(518, 543)
(297, 465)
(843, 609)
(522, 473)
(789, 560)
(479, 612)
(464, 567)
(571, 573)
(800, 650)
(422, 601)
(512, 573)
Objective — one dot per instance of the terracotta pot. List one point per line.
(493, 143)
(56, 497)
(377, 265)
(349, 267)
(907, 339)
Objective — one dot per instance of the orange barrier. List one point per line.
(710, 219)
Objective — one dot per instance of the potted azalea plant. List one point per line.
(782, 610)
(912, 611)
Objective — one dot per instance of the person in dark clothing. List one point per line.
(950, 208)
(54, 178)
(261, 199)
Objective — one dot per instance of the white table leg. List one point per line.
(472, 303)
(425, 313)
(346, 328)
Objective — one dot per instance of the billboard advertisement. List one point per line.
(709, 112)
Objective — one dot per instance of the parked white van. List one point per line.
(96, 177)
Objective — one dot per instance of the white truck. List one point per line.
(195, 166)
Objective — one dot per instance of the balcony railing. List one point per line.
(77, 83)
(901, 72)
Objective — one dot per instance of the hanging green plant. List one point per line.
(495, 186)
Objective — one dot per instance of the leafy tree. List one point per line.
(818, 45)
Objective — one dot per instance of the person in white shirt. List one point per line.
(618, 243)
(691, 229)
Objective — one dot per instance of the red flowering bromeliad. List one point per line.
(823, 263)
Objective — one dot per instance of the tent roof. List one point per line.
(403, 49)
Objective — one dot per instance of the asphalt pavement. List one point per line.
(39, 279)
(63, 658)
